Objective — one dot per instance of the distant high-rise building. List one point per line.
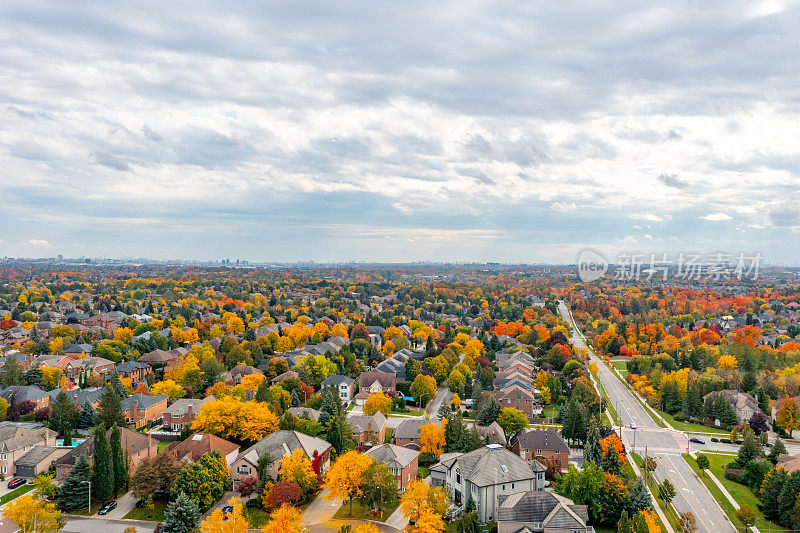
(60, 257)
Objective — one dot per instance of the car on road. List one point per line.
(633, 426)
(697, 441)
(107, 507)
(17, 482)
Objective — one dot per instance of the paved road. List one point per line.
(442, 394)
(97, 525)
(662, 444)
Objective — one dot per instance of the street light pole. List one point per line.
(89, 481)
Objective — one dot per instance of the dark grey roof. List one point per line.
(336, 379)
(543, 507)
(35, 455)
(22, 393)
(143, 401)
(84, 396)
(409, 428)
(130, 366)
(492, 464)
(540, 439)
(393, 456)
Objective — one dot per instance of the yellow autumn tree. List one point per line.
(727, 362)
(123, 334)
(168, 388)
(429, 521)
(33, 515)
(414, 499)
(431, 439)
(285, 519)
(232, 522)
(345, 478)
(377, 402)
(366, 527)
(252, 381)
(297, 468)
(231, 418)
(51, 376)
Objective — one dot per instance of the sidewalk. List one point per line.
(724, 491)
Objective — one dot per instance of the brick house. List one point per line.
(80, 397)
(199, 444)
(543, 445)
(98, 366)
(368, 430)
(403, 463)
(135, 447)
(277, 445)
(744, 404)
(519, 398)
(26, 393)
(141, 410)
(183, 411)
(37, 460)
(374, 382)
(407, 433)
(18, 438)
(345, 386)
(134, 370)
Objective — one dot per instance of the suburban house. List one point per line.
(492, 434)
(240, 371)
(345, 386)
(519, 398)
(26, 393)
(486, 475)
(743, 403)
(158, 357)
(37, 460)
(99, 366)
(374, 382)
(368, 430)
(408, 431)
(776, 405)
(141, 410)
(76, 351)
(403, 463)
(80, 397)
(135, 447)
(134, 370)
(790, 463)
(183, 411)
(199, 444)
(18, 438)
(546, 446)
(541, 512)
(304, 412)
(52, 361)
(286, 375)
(277, 445)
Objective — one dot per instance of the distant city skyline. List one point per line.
(501, 132)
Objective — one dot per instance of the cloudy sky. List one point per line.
(399, 131)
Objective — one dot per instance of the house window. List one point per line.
(458, 478)
(4, 457)
(504, 487)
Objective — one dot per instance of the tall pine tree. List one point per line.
(103, 471)
(181, 516)
(109, 409)
(118, 461)
(592, 451)
(74, 492)
(88, 416)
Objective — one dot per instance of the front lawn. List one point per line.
(156, 514)
(361, 513)
(389, 433)
(162, 445)
(423, 472)
(741, 493)
(19, 491)
(257, 517)
(551, 411)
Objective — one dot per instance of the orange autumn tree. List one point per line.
(431, 439)
(230, 418)
(613, 441)
(345, 477)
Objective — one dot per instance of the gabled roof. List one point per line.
(13, 437)
(336, 380)
(410, 428)
(361, 423)
(540, 439)
(304, 412)
(131, 441)
(284, 442)
(492, 464)
(199, 444)
(181, 406)
(143, 401)
(387, 380)
(546, 508)
(23, 393)
(392, 456)
(130, 366)
(83, 396)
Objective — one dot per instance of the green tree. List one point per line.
(87, 417)
(574, 426)
(666, 491)
(512, 420)
(638, 498)
(118, 461)
(702, 463)
(74, 492)
(778, 448)
(103, 468)
(787, 499)
(613, 499)
(204, 481)
(379, 489)
(750, 450)
(12, 373)
(489, 412)
(592, 451)
(63, 414)
(771, 492)
(612, 463)
(34, 376)
(118, 387)
(109, 409)
(583, 486)
(182, 515)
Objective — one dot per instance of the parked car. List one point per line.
(107, 507)
(17, 482)
(228, 509)
(697, 441)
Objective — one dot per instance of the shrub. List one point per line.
(714, 439)
(734, 474)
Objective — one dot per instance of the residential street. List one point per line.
(663, 444)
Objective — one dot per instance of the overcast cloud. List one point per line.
(398, 131)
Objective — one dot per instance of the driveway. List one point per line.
(443, 394)
(321, 510)
(125, 504)
(222, 502)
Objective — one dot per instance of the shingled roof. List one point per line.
(492, 464)
(546, 508)
(540, 439)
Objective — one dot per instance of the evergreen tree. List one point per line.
(103, 469)
(638, 498)
(574, 427)
(592, 451)
(777, 449)
(787, 499)
(693, 404)
(295, 398)
(118, 387)
(489, 412)
(63, 414)
(262, 394)
(611, 462)
(118, 461)
(67, 437)
(87, 417)
(34, 376)
(181, 516)
(74, 492)
(12, 373)
(771, 493)
(750, 449)
(338, 434)
(109, 409)
(625, 524)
